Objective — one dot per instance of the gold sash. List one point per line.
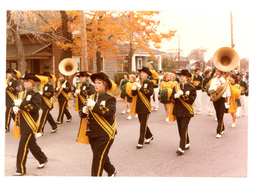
(48, 101)
(11, 95)
(188, 106)
(145, 100)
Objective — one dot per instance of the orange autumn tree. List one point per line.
(140, 29)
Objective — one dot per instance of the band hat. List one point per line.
(30, 76)
(52, 77)
(239, 73)
(10, 71)
(103, 77)
(47, 74)
(83, 74)
(146, 70)
(185, 72)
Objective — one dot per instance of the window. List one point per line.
(139, 63)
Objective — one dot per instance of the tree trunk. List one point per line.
(98, 61)
(22, 65)
(130, 54)
(66, 34)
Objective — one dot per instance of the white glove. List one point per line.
(180, 92)
(41, 93)
(15, 109)
(17, 102)
(134, 87)
(90, 103)
(78, 91)
(227, 105)
(176, 95)
(84, 109)
(187, 92)
(138, 85)
(222, 80)
(64, 85)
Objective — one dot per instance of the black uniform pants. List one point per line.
(8, 115)
(100, 148)
(28, 142)
(183, 131)
(63, 110)
(219, 106)
(46, 116)
(144, 129)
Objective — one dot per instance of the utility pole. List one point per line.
(178, 51)
(83, 64)
(231, 23)
(232, 43)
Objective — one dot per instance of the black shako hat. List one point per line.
(47, 74)
(83, 74)
(146, 70)
(31, 76)
(11, 71)
(185, 72)
(103, 77)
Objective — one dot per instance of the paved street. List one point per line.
(207, 157)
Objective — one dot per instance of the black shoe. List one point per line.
(139, 146)
(55, 130)
(180, 152)
(40, 166)
(69, 120)
(147, 141)
(18, 174)
(114, 174)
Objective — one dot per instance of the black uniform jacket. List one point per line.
(106, 108)
(67, 89)
(48, 93)
(198, 80)
(11, 87)
(30, 104)
(147, 88)
(84, 91)
(206, 82)
(244, 87)
(179, 109)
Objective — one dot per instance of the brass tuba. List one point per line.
(67, 67)
(225, 59)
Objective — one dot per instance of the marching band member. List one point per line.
(101, 127)
(244, 89)
(184, 95)
(143, 106)
(234, 99)
(154, 98)
(83, 91)
(197, 82)
(28, 112)
(63, 99)
(223, 102)
(165, 92)
(128, 89)
(11, 92)
(47, 103)
(123, 95)
(206, 84)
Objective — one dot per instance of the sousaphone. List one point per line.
(67, 67)
(225, 59)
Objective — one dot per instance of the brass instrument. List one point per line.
(225, 59)
(67, 67)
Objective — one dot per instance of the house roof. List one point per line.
(30, 50)
(124, 49)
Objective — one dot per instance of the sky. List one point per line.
(206, 29)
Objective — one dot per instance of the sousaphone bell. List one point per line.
(225, 59)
